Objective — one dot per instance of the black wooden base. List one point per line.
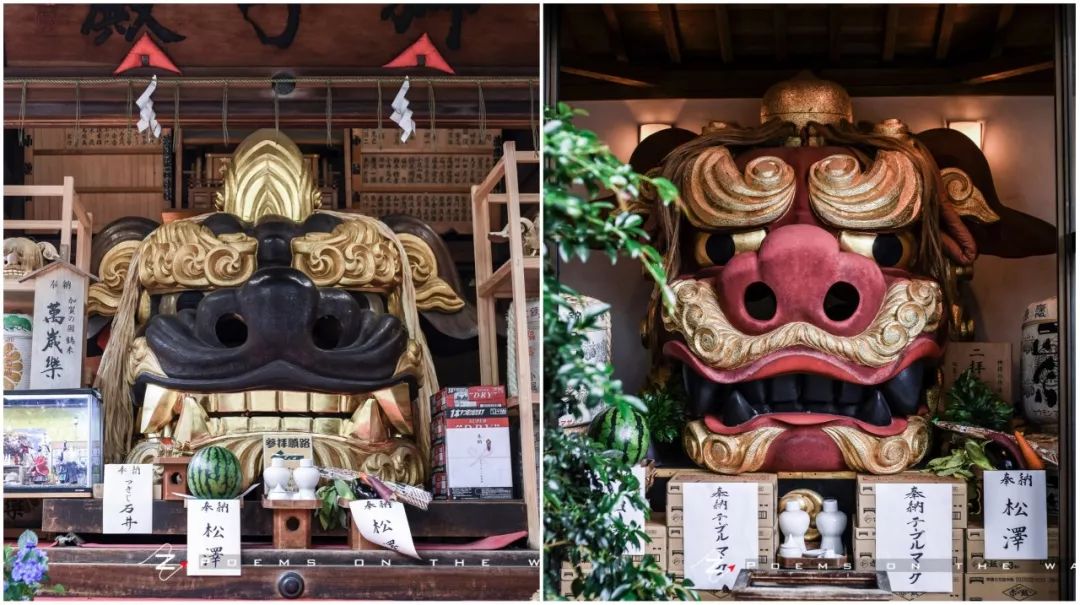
(158, 572)
(443, 519)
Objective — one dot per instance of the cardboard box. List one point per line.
(1011, 587)
(992, 362)
(865, 549)
(767, 545)
(468, 397)
(471, 458)
(957, 593)
(766, 494)
(975, 563)
(865, 515)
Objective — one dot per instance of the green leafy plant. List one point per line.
(666, 415)
(972, 402)
(329, 513)
(583, 484)
(961, 460)
(26, 570)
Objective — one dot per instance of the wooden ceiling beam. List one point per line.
(671, 35)
(892, 24)
(618, 47)
(723, 33)
(1005, 16)
(780, 33)
(1005, 73)
(945, 31)
(604, 77)
(709, 81)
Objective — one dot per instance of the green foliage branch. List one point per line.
(584, 486)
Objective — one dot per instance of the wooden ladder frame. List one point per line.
(516, 279)
(73, 216)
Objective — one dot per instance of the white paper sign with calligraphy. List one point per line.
(1014, 515)
(385, 524)
(213, 537)
(127, 505)
(631, 515)
(59, 300)
(721, 536)
(914, 535)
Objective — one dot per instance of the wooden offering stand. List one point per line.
(292, 522)
(812, 563)
(356, 540)
(173, 476)
(789, 585)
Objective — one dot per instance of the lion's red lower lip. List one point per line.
(802, 360)
(798, 419)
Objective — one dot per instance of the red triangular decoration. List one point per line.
(146, 54)
(421, 53)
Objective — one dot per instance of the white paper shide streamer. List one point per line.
(147, 117)
(402, 115)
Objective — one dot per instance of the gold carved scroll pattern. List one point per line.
(910, 308)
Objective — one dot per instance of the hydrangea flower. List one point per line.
(29, 565)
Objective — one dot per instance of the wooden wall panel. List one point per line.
(115, 176)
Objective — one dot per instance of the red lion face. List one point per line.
(813, 293)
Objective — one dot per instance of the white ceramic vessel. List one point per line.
(307, 479)
(831, 523)
(276, 479)
(794, 523)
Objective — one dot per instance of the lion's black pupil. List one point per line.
(720, 247)
(888, 249)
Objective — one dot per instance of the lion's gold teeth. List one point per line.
(910, 308)
(373, 416)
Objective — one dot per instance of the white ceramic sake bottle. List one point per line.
(831, 523)
(307, 479)
(794, 523)
(275, 478)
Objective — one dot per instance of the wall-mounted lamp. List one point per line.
(645, 130)
(972, 129)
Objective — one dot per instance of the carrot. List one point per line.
(1031, 459)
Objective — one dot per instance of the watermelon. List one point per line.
(214, 473)
(624, 431)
